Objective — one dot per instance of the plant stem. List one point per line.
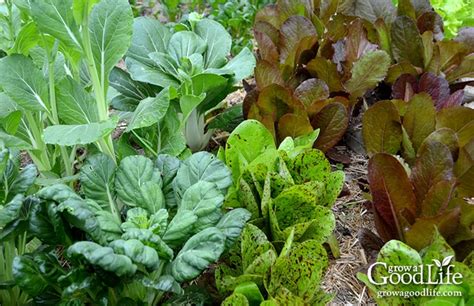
(41, 160)
(105, 145)
(54, 111)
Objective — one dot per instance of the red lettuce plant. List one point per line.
(410, 199)
(313, 66)
(316, 59)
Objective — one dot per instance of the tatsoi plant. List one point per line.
(313, 67)
(139, 230)
(15, 184)
(433, 269)
(54, 82)
(291, 277)
(287, 189)
(190, 69)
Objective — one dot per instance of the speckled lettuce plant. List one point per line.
(139, 230)
(396, 253)
(289, 188)
(259, 275)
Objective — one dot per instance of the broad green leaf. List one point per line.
(110, 28)
(24, 83)
(27, 38)
(184, 44)
(180, 228)
(69, 135)
(150, 110)
(55, 17)
(109, 225)
(165, 283)
(149, 73)
(11, 210)
(82, 8)
(46, 224)
(248, 141)
(97, 178)
(205, 201)
(149, 36)
(137, 252)
(80, 215)
(138, 183)
(406, 41)
(242, 65)
(76, 105)
(168, 166)
(251, 291)
(12, 142)
(57, 193)
(103, 257)
(232, 223)
(381, 128)
(127, 87)
(367, 72)
(218, 42)
(27, 275)
(172, 139)
(24, 180)
(188, 104)
(213, 86)
(197, 254)
(202, 166)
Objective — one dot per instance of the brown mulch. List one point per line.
(352, 215)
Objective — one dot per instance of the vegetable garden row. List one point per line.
(115, 189)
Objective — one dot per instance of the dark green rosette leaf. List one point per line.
(197, 254)
(103, 257)
(137, 252)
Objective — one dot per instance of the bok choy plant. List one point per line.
(189, 67)
(55, 81)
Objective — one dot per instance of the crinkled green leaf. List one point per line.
(232, 223)
(197, 254)
(202, 166)
(103, 257)
(137, 252)
(138, 183)
(205, 201)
